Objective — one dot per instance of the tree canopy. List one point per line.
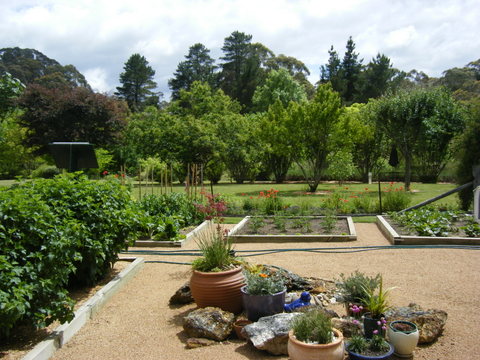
(137, 82)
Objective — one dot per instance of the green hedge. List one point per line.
(54, 232)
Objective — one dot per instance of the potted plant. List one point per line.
(353, 291)
(313, 337)
(403, 335)
(263, 294)
(359, 348)
(377, 304)
(217, 276)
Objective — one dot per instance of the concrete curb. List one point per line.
(62, 334)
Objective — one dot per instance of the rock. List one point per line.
(430, 322)
(210, 322)
(270, 333)
(347, 326)
(182, 296)
(318, 290)
(193, 343)
(330, 313)
(292, 281)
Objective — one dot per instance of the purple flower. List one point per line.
(375, 332)
(379, 323)
(356, 322)
(384, 328)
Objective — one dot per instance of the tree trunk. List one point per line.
(408, 171)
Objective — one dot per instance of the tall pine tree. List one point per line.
(198, 66)
(137, 82)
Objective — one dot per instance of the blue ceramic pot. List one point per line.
(354, 356)
(257, 306)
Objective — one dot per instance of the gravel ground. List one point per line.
(138, 323)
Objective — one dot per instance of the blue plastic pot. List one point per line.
(354, 356)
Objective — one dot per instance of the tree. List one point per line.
(70, 115)
(240, 150)
(315, 126)
(421, 121)
(10, 89)
(137, 82)
(30, 65)
(376, 79)
(276, 140)
(295, 67)
(198, 66)
(468, 154)
(242, 69)
(331, 72)
(351, 68)
(369, 141)
(279, 85)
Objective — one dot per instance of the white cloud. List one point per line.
(97, 78)
(98, 36)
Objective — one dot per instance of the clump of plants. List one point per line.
(255, 223)
(357, 285)
(270, 201)
(217, 252)
(395, 198)
(263, 282)
(374, 347)
(280, 223)
(313, 327)
(427, 221)
(377, 302)
(329, 221)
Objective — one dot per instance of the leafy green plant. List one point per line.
(271, 202)
(378, 343)
(427, 221)
(357, 344)
(329, 221)
(472, 229)
(256, 223)
(263, 283)
(395, 198)
(313, 327)
(377, 304)
(280, 223)
(216, 252)
(354, 285)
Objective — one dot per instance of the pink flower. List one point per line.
(375, 332)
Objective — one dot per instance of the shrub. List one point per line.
(45, 171)
(395, 199)
(216, 252)
(355, 285)
(313, 327)
(263, 283)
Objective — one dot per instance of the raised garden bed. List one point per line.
(157, 243)
(293, 229)
(398, 234)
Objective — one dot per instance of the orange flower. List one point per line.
(263, 275)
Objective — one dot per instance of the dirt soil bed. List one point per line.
(403, 230)
(138, 323)
(295, 226)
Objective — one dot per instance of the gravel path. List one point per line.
(138, 323)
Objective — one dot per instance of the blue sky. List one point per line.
(98, 36)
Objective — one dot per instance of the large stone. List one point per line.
(270, 333)
(430, 322)
(182, 296)
(210, 323)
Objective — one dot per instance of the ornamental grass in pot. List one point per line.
(217, 275)
(263, 294)
(312, 337)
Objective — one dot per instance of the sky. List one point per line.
(98, 36)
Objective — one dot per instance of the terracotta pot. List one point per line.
(298, 350)
(404, 342)
(239, 325)
(219, 289)
(257, 306)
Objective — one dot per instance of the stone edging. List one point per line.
(63, 333)
(188, 237)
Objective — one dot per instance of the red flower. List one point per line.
(105, 172)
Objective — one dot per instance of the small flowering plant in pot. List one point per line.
(359, 348)
(313, 337)
(377, 304)
(263, 294)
